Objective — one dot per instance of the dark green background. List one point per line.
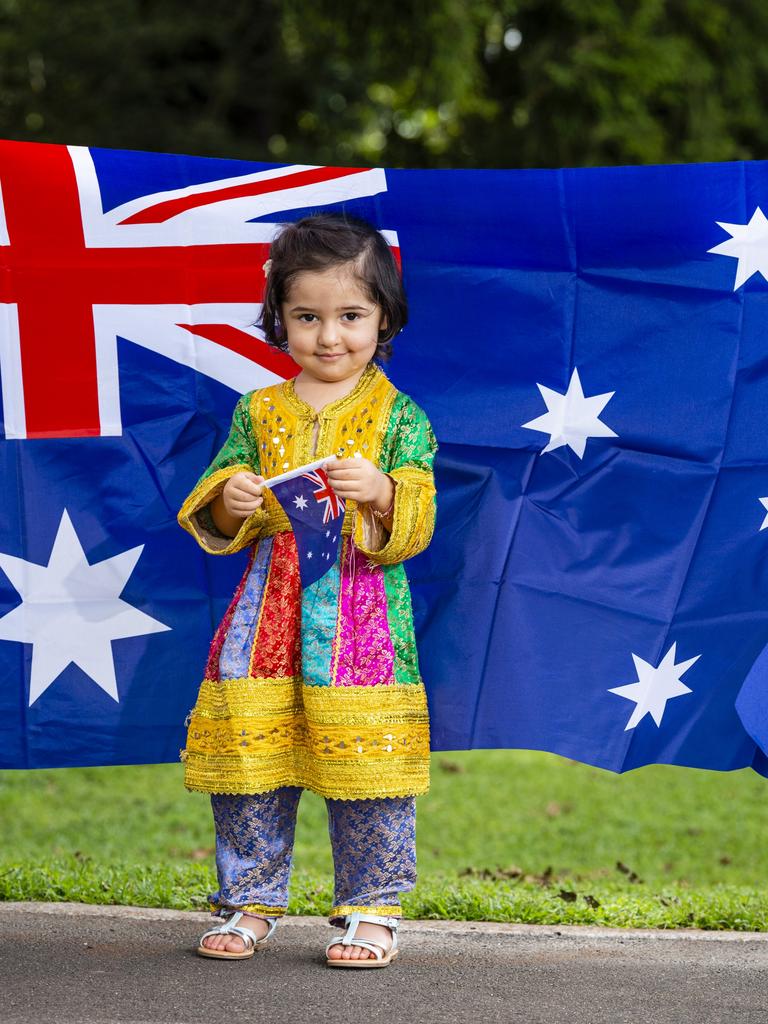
(535, 83)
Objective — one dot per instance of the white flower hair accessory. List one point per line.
(267, 267)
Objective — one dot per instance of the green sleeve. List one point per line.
(241, 447)
(238, 453)
(408, 454)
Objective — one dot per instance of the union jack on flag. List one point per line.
(333, 505)
(93, 252)
(590, 349)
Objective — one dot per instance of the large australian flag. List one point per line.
(590, 347)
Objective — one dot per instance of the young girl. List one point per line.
(318, 688)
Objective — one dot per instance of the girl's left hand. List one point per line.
(359, 480)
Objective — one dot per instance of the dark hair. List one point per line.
(325, 240)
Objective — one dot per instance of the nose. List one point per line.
(328, 332)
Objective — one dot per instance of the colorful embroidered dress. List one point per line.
(317, 688)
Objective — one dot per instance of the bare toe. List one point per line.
(235, 943)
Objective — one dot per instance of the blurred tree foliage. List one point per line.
(490, 83)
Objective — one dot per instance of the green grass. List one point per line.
(502, 835)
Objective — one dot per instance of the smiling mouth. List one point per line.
(329, 355)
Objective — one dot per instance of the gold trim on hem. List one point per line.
(342, 742)
(251, 908)
(252, 697)
(391, 910)
(337, 781)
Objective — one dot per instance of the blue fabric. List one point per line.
(373, 842)
(374, 850)
(254, 847)
(565, 569)
(235, 656)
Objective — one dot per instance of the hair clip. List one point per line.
(267, 267)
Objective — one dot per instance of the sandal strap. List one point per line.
(378, 949)
(246, 934)
(390, 922)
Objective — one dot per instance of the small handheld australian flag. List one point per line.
(316, 513)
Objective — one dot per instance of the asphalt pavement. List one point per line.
(78, 964)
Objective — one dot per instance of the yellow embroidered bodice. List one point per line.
(274, 430)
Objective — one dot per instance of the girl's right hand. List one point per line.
(242, 494)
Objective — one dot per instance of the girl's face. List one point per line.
(332, 325)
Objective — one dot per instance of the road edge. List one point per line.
(423, 925)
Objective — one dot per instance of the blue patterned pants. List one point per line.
(373, 843)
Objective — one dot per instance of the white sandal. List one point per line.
(381, 956)
(232, 927)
